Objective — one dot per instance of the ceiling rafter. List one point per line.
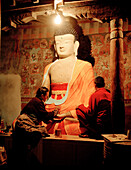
(93, 10)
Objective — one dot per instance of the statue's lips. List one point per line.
(62, 50)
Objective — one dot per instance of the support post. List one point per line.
(117, 75)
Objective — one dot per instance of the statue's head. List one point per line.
(67, 38)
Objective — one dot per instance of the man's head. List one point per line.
(43, 93)
(67, 38)
(99, 82)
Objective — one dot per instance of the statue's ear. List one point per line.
(54, 46)
(76, 46)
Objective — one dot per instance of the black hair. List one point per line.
(99, 82)
(40, 91)
(69, 25)
(84, 50)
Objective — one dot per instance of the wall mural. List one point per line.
(36, 54)
(28, 55)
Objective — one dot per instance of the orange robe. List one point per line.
(80, 88)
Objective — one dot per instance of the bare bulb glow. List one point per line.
(58, 19)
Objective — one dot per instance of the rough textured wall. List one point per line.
(10, 97)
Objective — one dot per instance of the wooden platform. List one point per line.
(68, 151)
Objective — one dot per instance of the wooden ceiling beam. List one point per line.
(94, 10)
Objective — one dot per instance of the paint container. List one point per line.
(58, 133)
(2, 124)
(129, 133)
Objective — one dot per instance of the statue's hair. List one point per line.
(69, 25)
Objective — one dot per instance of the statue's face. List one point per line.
(65, 45)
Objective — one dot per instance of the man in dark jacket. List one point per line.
(96, 118)
(28, 131)
(35, 109)
(27, 124)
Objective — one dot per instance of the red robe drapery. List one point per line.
(81, 88)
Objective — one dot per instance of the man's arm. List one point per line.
(104, 116)
(43, 114)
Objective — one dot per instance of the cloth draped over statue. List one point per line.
(78, 91)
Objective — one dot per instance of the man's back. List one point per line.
(101, 94)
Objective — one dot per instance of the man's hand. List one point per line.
(56, 111)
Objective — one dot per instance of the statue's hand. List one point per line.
(61, 115)
(67, 114)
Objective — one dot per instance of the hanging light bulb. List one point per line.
(58, 19)
(56, 3)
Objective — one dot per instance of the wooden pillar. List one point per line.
(117, 75)
(0, 29)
